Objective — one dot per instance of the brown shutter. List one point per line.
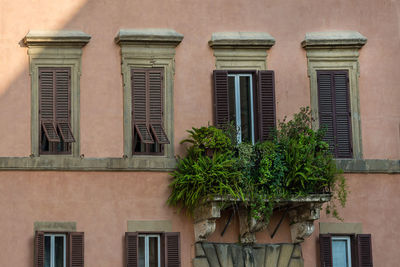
(364, 250)
(325, 250)
(131, 249)
(343, 115)
(326, 107)
(139, 105)
(221, 97)
(39, 249)
(266, 104)
(63, 103)
(155, 92)
(76, 249)
(334, 111)
(47, 85)
(172, 246)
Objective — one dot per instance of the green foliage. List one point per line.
(296, 162)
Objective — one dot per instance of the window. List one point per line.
(53, 249)
(152, 249)
(334, 111)
(246, 99)
(55, 69)
(340, 250)
(147, 111)
(332, 51)
(55, 111)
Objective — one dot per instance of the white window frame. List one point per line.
(146, 249)
(52, 248)
(237, 106)
(348, 243)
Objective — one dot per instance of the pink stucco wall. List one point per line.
(101, 203)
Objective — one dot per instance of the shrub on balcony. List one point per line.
(295, 162)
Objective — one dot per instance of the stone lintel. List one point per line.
(56, 38)
(148, 37)
(241, 40)
(334, 39)
(149, 226)
(340, 228)
(54, 226)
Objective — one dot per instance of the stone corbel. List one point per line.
(204, 220)
(302, 221)
(249, 226)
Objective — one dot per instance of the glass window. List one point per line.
(241, 106)
(341, 251)
(149, 251)
(54, 250)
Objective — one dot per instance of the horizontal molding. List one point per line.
(369, 165)
(248, 40)
(54, 226)
(149, 163)
(68, 163)
(56, 38)
(334, 39)
(148, 36)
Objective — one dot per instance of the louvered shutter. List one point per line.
(131, 249)
(364, 250)
(325, 250)
(221, 97)
(139, 105)
(343, 115)
(266, 104)
(39, 249)
(63, 103)
(76, 249)
(334, 111)
(325, 108)
(46, 103)
(155, 92)
(172, 246)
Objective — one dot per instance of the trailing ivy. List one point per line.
(296, 162)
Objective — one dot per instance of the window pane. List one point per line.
(245, 108)
(47, 256)
(153, 252)
(231, 90)
(141, 252)
(59, 251)
(339, 253)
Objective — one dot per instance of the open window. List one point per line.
(59, 249)
(245, 99)
(152, 249)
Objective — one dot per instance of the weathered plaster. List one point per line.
(55, 49)
(149, 49)
(336, 51)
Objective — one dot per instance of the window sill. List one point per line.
(69, 163)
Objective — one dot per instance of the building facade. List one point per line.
(95, 97)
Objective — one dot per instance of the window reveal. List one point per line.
(55, 250)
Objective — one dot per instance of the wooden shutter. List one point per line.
(334, 111)
(76, 249)
(39, 249)
(155, 92)
(131, 249)
(46, 103)
(139, 105)
(364, 250)
(221, 98)
(343, 115)
(63, 103)
(325, 250)
(266, 104)
(172, 247)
